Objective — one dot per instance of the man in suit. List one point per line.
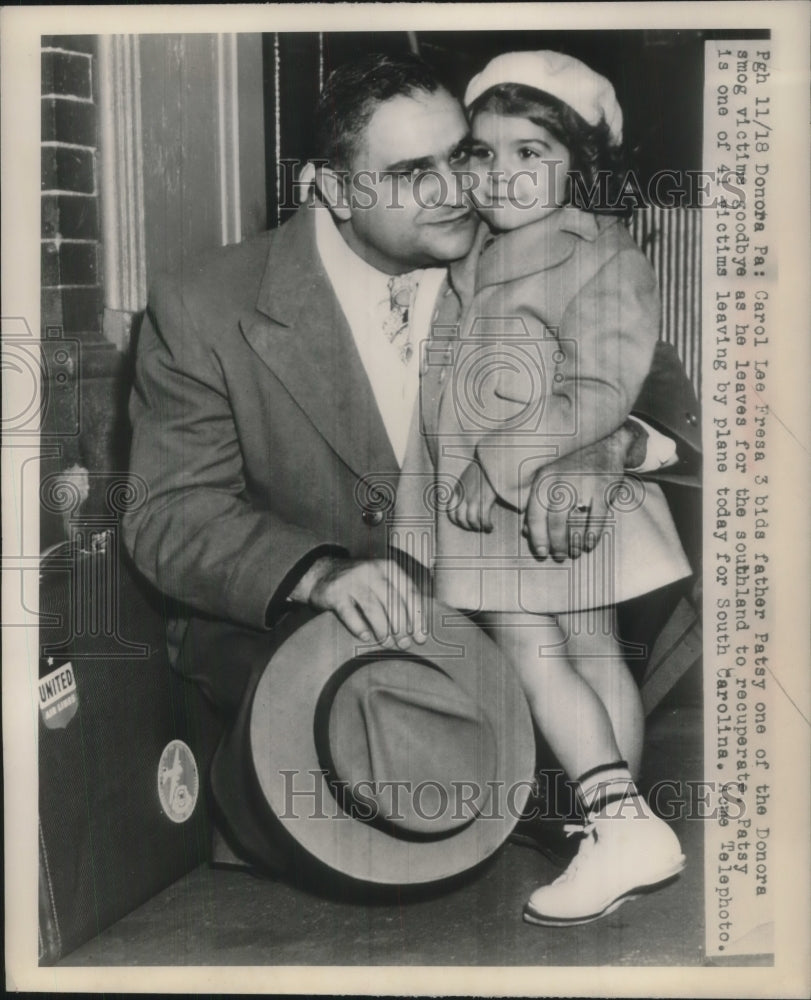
(270, 390)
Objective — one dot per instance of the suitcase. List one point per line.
(124, 748)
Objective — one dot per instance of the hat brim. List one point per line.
(296, 791)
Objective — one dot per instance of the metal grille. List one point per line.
(671, 239)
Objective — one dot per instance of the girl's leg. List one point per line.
(593, 651)
(624, 848)
(571, 716)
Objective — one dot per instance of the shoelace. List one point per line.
(588, 832)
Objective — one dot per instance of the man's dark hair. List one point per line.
(353, 93)
(594, 155)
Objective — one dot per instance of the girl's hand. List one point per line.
(472, 500)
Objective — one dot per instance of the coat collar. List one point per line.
(293, 268)
(299, 331)
(519, 253)
(462, 273)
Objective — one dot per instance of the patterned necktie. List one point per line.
(402, 288)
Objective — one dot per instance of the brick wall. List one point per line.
(84, 421)
(71, 292)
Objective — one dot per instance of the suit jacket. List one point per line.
(253, 423)
(256, 430)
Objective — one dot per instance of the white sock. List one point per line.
(603, 785)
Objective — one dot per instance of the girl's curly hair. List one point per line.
(598, 164)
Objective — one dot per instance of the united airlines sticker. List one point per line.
(178, 781)
(58, 696)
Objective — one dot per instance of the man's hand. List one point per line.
(587, 476)
(375, 599)
(472, 500)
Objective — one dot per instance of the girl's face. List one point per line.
(520, 168)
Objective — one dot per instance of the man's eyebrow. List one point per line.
(426, 162)
(420, 163)
(465, 142)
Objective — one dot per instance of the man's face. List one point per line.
(405, 207)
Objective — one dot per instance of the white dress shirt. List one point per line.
(363, 294)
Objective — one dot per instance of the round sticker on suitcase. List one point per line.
(178, 781)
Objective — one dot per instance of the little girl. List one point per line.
(559, 322)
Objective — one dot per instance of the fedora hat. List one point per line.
(391, 767)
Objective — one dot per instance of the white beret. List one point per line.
(562, 76)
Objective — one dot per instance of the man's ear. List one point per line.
(333, 185)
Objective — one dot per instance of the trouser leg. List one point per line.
(227, 661)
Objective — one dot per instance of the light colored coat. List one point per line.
(558, 328)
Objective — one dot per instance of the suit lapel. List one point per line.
(299, 331)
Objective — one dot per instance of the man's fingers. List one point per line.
(597, 521)
(536, 525)
(578, 528)
(401, 600)
(349, 615)
(558, 527)
(404, 606)
(373, 608)
(486, 512)
(357, 594)
(411, 599)
(399, 603)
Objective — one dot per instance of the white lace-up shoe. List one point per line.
(623, 853)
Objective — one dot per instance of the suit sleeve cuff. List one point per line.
(280, 601)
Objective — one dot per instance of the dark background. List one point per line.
(658, 77)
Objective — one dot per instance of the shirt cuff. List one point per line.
(661, 451)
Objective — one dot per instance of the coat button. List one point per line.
(372, 517)
(691, 419)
